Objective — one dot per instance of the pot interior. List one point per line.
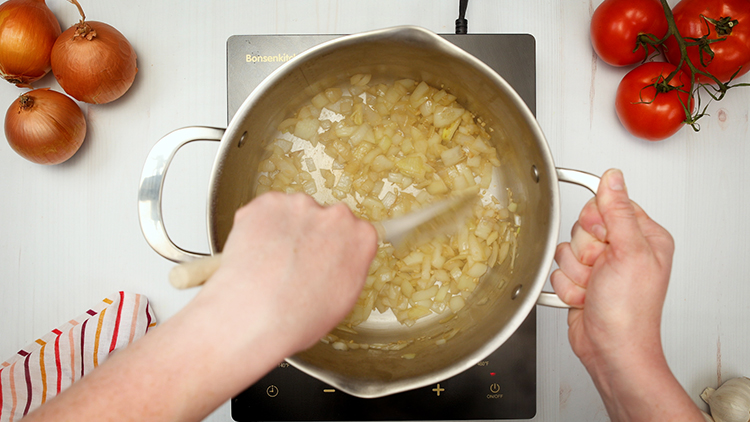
(503, 298)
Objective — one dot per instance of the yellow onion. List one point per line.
(93, 62)
(45, 126)
(28, 30)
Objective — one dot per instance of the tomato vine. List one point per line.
(715, 89)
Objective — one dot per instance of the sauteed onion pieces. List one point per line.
(386, 149)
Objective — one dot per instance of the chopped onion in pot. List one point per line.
(386, 149)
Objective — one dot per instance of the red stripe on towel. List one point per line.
(117, 323)
(58, 363)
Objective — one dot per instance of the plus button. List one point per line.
(438, 389)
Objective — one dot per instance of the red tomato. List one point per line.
(643, 115)
(729, 54)
(615, 27)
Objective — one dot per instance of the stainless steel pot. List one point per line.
(503, 299)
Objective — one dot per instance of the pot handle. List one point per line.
(590, 182)
(152, 184)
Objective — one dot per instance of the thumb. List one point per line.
(616, 209)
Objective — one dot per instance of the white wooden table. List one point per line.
(70, 233)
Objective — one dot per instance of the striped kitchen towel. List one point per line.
(44, 368)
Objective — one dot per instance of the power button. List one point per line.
(494, 388)
(272, 391)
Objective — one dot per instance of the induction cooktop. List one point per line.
(502, 386)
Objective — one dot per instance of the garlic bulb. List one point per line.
(730, 402)
(707, 417)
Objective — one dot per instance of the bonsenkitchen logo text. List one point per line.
(281, 57)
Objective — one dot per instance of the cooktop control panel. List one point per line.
(502, 386)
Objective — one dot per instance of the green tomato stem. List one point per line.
(704, 43)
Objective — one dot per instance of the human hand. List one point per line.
(295, 266)
(614, 272)
(291, 270)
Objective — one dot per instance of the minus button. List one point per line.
(329, 390)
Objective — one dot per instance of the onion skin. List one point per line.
(45, 126)
(28, 30)
(96, 65)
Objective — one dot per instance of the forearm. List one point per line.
(178, 372)
(643, 388)
(291, 270)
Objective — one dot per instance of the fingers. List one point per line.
(591, 220)
(364, 234)
(588, 234)
(586, 247)
(660, 240)
(617, 210)
(569, 264)
(568, 291)
(590, 237)
(631, 225)
(571, 279)
(628, 228)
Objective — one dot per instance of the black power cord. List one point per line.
(462, 25)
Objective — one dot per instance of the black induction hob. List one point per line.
(503, 386)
